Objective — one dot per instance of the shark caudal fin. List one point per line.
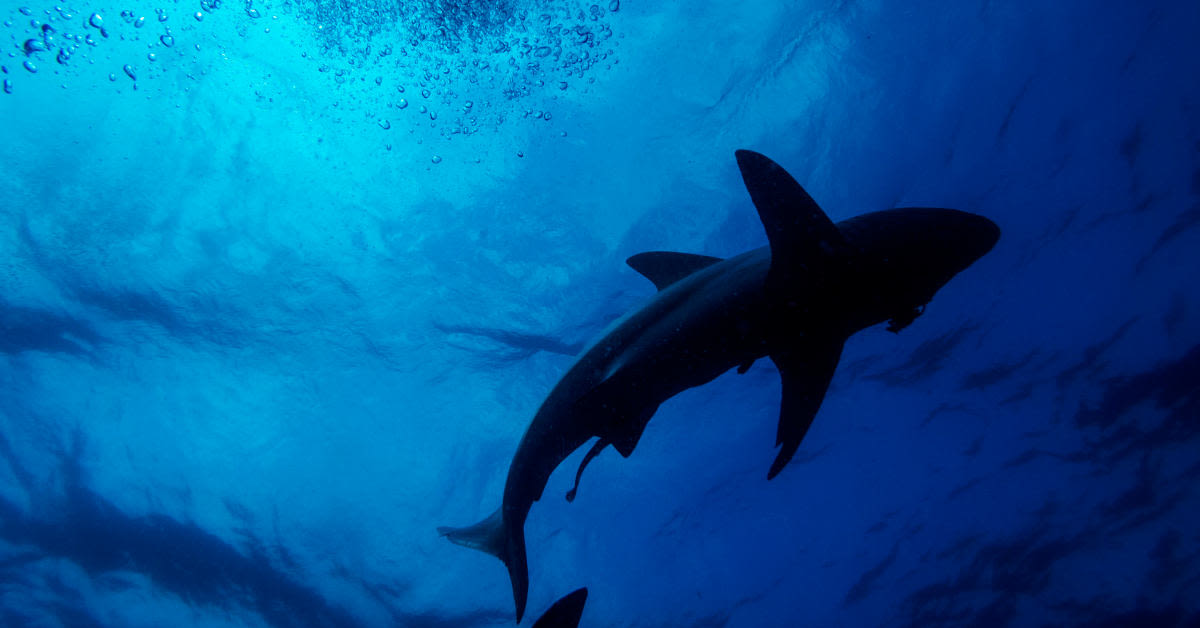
(492, 536)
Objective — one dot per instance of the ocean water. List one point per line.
(282, 284)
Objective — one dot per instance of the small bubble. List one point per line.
(112, 77)
(199, 16)
(7, 86)
(562, 85)
(425, 93)
(385, 124)
(129, 71)
(162, 14)
(402, 104)
(253, 13)
(520, 154)
(152, 56)
(437, 159)
(34, 45)
(96, 21)
(167, 40)
(614, 5)
(379, 80)
(26, 11)
(140, 22)
(30, 66)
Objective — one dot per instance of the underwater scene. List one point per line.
(438, 313)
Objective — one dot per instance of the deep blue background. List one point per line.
(263, 328)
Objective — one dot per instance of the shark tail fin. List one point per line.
(485, 536)
(491, 536)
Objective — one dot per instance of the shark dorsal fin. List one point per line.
(566, 612)
(665, 268)
(800, 234)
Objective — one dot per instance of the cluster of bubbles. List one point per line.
(63, 36)
(468, 60)
(477, 62)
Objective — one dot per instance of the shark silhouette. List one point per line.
(566, 612)
(795, 301)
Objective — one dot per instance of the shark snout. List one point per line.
(977, 234)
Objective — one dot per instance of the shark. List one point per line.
(566, 612)
(795, 301)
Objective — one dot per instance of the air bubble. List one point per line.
(30, 66)
(385, 124)
(129, 71)
(167, 40)
(140, 22)
(96, 21)
(152, 57)
(25, 11)
(614, 5)
(7, 86)
(34, 45)
(199, 16)
(253, 13)
(402, 104)
(437, 159)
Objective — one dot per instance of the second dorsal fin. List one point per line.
(665, 268)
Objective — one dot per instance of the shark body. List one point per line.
(795, 301)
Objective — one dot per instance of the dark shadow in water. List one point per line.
(1173, 387)
(515, 345)
(30, 329)
(928, 358)
(178, 557)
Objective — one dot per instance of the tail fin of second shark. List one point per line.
(492, 536)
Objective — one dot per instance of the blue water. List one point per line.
(282, 284)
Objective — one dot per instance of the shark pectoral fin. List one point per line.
(665, 268)
(806, 372)
(592, 453)
(801, 236)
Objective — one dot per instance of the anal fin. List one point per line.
(806, 369)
